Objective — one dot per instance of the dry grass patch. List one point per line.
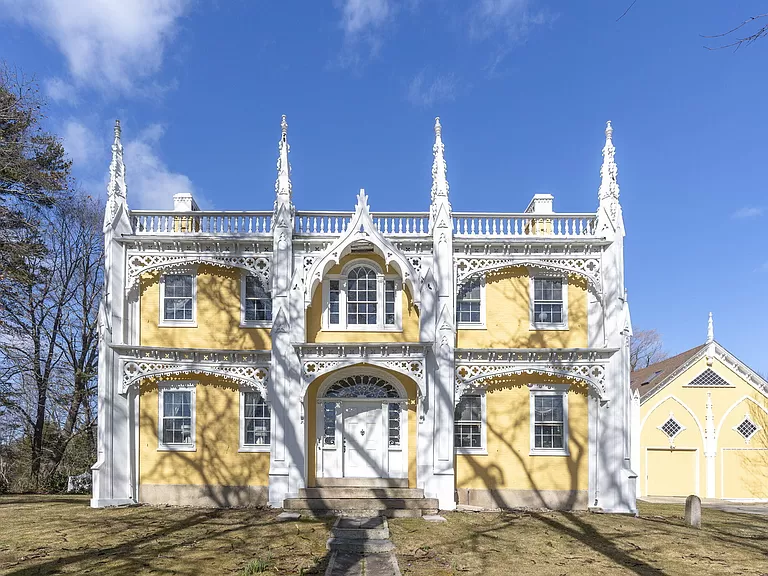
(658, 542)
(61, 535)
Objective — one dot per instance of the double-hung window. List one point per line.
(549, 298)
(362, 298)
(177, 417)
(470, 308)
(177, 299)
(256, 302)
(255, 422)
(549, 422)
(469, 424)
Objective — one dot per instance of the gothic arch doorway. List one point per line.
(362, 425)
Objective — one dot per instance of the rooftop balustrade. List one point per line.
(330, 223)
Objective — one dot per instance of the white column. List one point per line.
(710, 447)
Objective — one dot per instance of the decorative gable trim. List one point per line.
(362, 227)
(741, 369)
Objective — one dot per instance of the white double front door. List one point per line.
(352, 439)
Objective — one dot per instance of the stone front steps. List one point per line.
(362, 497)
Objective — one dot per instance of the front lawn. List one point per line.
(61, 535)
(658, 542)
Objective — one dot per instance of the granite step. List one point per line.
(360, 492)
(362, 482)
(360, 504)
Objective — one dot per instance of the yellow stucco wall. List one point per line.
(311, 417)
(508, 464)
(216, 459)
(741, 468)
(508, 324)
(315, 333)
(218, 314)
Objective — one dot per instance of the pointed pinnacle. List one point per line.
(284, 128)
(608, 130)
(118, 131)
(710, 329)
(438, 127)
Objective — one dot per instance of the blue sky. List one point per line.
(523, 89)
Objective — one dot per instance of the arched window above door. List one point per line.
(361, 386)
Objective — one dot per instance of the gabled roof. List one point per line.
(657, 375)
(648, 381)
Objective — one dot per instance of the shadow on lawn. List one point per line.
(138, 554)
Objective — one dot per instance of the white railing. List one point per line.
(199, 222)
(327, 223)
(510, 225)
(334, 223)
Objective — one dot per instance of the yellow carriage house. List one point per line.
(700, 423)
(390, 362)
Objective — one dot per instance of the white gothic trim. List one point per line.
(142, 263)
(239, 366)
(361, 227)
(685, 407)
(319, 359)
(588, 267)
(476, 366)
(733, 407)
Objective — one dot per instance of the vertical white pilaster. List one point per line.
(435, 437)
(615, 477)
(112, 480)
(287, 454)
(710, 445)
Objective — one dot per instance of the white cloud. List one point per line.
(60, 90)
(108, 44)
(363, 22)
(748, 212)
(151, 184)
(364, 16)
(425, 91)
(507, 21)
(81, 143)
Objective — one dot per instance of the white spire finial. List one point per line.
(710, 330)
(116, 189)
(609, 172)
(283, 187)
(439, 169)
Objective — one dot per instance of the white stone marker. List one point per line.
(693, 511)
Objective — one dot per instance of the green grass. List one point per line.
(42, 535)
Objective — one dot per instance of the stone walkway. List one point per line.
(361, 547)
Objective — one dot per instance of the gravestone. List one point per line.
(693, 511)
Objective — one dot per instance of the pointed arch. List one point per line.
(362, 227)
(684, 406)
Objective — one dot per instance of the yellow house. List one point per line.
(395, 362)
(701, 424)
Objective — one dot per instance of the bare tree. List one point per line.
(744, 34)
(49, 336)
(646, 348)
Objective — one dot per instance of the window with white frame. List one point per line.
(470, 308)
(362, 298)
(256, 301)
(549, 303)
(177, 299)
(468, 424)
(177, 417)
(255, 422)
(549, 422)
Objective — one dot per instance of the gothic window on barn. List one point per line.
(709, 378)
(671, 428)
(747, 428)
